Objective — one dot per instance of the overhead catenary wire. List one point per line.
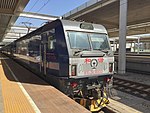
(43, 5)
(40, 8)
(31, 8)
(33, 5)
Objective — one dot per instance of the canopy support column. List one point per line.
(122, 37)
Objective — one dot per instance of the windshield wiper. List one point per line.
(76, 53)
(103, 50)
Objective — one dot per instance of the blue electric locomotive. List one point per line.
(76, 57)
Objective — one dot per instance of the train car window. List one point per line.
(33, 46)
(22, 47)
(79, 40)
(51, 39)
(51, 42)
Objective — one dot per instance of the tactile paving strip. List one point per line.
(14, 100)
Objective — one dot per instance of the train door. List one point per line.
(43, 51)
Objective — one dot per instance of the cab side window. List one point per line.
(51, 40)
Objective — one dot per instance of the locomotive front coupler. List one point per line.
(94, 91)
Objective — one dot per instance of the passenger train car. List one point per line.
(76, 57)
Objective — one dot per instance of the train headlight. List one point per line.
(73, 70)
(111, 67)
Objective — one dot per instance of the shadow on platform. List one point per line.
(23, 75)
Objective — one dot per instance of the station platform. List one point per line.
(136, 63)
(23, 92)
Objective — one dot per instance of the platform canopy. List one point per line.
(106, 12)
(9, 12)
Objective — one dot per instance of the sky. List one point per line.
(49, 7)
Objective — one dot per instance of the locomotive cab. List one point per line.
(91, 63)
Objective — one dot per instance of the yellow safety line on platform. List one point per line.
(14, 99)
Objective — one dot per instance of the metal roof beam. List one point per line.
(31, 15)
(8, 40)
(136, 26)
(17, 32)
(38, 16)
(19, 6)
(23, 27)
(6, 12)
(11, 38)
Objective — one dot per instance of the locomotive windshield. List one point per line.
(99, 42)
(88, 41)
(79, 40)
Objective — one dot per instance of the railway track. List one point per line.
(133, 88)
